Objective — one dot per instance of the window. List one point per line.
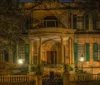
(21, 51)
(81, 51)
(51, 57)
(66, 0)
(98, 22)
(80, 22)
(96, 52)
(50, 21)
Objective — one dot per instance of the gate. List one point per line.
(52, 79)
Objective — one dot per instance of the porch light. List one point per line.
(81, 59)
(20, 61)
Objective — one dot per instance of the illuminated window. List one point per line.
(81, 50)
(66, 0)
(50, 21)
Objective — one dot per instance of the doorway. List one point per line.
(51, 57)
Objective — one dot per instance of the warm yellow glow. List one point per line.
(20, 61)
(81, 59)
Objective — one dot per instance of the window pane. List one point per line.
(98, 24)
(79, 22)
(81, 51)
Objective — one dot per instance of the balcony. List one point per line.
(47, 31)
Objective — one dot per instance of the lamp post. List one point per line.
(82, 60)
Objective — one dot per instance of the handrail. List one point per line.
(84, 77)
(16, 78)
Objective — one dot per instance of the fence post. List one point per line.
(66, 80)
(38, 80)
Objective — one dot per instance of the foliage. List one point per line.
(10, 27)
(38, 70)
(90, 5)
(68, 67)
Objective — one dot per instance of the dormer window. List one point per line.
(50, 21)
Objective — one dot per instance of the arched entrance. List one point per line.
(50, 52)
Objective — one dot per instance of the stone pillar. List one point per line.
(72, 42)
(71, 51)
(30, 56)
(10, 55)
(64, 54)
(62, 50)
(71, 20)
(91, 53)
(40, 51)
(17, 55)
(66, 78)
(38, 80)
(90, 23)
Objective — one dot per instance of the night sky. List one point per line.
(35, 0)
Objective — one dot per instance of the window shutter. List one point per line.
(75, 52)
(95, 51)
(27, 51)
(87, 52)
(74, 21)
(86, 22)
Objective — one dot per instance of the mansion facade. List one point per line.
(58, 34)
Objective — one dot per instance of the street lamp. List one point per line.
(82, 60)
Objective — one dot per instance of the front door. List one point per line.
(51, 57)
